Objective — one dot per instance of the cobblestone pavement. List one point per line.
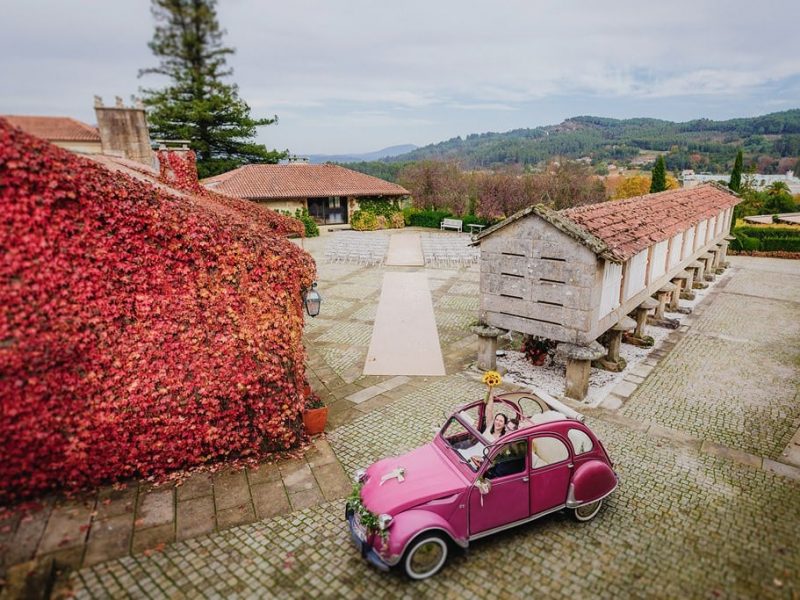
(733, 378)
(682, 524)
(685, 522)
(119, 520)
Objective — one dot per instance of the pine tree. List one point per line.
(197, 105)
(735, 183)
(659, 178)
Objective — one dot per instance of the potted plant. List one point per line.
(315, 414)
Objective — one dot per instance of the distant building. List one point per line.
(121, 132)
(691, 179)
(330, 193)
(65, 132)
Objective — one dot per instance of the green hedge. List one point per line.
(768, 231)
(780, 243)
(433, 218)
(766, 239)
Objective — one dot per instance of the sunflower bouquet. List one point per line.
(492, 379)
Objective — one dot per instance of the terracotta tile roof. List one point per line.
(299, 180)
(631, 225)
(54, 129)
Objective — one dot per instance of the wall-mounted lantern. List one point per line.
(312, 300)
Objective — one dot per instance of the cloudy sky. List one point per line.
(359, 75)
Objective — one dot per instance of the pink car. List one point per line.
(413, 509)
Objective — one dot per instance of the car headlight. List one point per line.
(360, 476)
(384, 521)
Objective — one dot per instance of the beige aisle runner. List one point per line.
(405, 250)
(405, 340)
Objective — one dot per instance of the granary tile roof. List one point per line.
(299, 180)
(55, 129)
(629, 226)
(616, 230)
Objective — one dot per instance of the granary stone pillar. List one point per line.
(662, 297)
(724, 248)
(686, 292)
(487, 346)
(659, 319)
(639, 337)
(612, 361)
(708, 260)
(698, 273)
(579, 367)
(680, 280)
(715, 253)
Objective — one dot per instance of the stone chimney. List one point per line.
(123, 130)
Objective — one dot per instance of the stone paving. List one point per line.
(116, 521)
(692, 517)
(682, 524)
(745, 342)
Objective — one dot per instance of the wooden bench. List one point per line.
(456, 224)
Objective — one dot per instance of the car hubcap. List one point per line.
(586, 511)
(427, 557)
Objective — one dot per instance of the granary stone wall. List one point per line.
(539, 281)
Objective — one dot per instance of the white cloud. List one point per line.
(425, 69)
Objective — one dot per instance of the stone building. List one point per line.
(572, 275)
(330, 193)
(121, 132)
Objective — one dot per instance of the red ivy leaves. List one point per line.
(142, 330)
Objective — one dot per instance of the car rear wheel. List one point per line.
(587, 512)
(425, 556)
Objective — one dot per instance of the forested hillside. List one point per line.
(702, 145)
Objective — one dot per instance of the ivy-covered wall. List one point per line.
(143, 329)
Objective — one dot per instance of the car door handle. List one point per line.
(526, 479)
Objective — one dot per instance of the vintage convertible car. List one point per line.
(411, 510)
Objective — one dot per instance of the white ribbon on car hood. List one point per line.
(396, 473)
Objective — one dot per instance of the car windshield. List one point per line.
(463, 442)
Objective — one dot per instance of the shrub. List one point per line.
(408, 211)
(769, 231)
(363, 221)
(308, 222)
(309, 225)
(381, 222)
(766, 238)
(472, 219)
(537, 349)
(428, 218)
(745, 243)
(385, 208)
(780, 244)
(143, 330)
(397, 220)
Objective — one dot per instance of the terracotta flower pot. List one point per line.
(314, 420)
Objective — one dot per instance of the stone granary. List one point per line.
(572, 275)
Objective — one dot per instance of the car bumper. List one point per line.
(366, 550)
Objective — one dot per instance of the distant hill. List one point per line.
(703, 144)
(368, 156)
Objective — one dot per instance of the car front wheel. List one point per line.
(425, 556)
(587, 512)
